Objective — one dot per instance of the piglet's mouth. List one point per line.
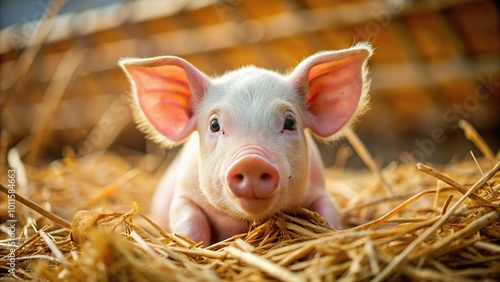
(256, 207)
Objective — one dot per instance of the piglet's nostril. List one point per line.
(265, 176)
(239, 176)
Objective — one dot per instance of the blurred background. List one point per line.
(435, 62)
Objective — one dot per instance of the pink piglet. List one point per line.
(248, 149)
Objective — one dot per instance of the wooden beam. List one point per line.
(288, 23)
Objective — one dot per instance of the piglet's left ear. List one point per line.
(335, 85)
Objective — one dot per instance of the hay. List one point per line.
(431, 223)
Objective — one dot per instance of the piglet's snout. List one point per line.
(253, 177)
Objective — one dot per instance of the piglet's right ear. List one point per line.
(165, 91)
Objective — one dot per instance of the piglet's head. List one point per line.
(251, 122)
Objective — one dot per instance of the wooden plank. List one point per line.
(280, 25)
(431, 36)
(479, 27)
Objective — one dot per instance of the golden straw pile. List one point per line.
(407, 221)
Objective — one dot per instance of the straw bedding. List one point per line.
(434, 223)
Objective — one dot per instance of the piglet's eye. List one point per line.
(214, 125)
(289, 123)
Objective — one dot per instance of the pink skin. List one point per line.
(251, 155)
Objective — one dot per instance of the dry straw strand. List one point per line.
(472, 135)
(399, 259)
(30, 204)
(268, 267)
(367, 158)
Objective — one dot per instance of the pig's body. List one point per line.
(179, 189)
(251, 154)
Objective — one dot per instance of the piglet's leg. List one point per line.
(327, 209)
(188, 219)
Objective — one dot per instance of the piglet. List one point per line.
(248, 149)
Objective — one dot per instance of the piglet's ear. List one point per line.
(335, 85)
(165, 91)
